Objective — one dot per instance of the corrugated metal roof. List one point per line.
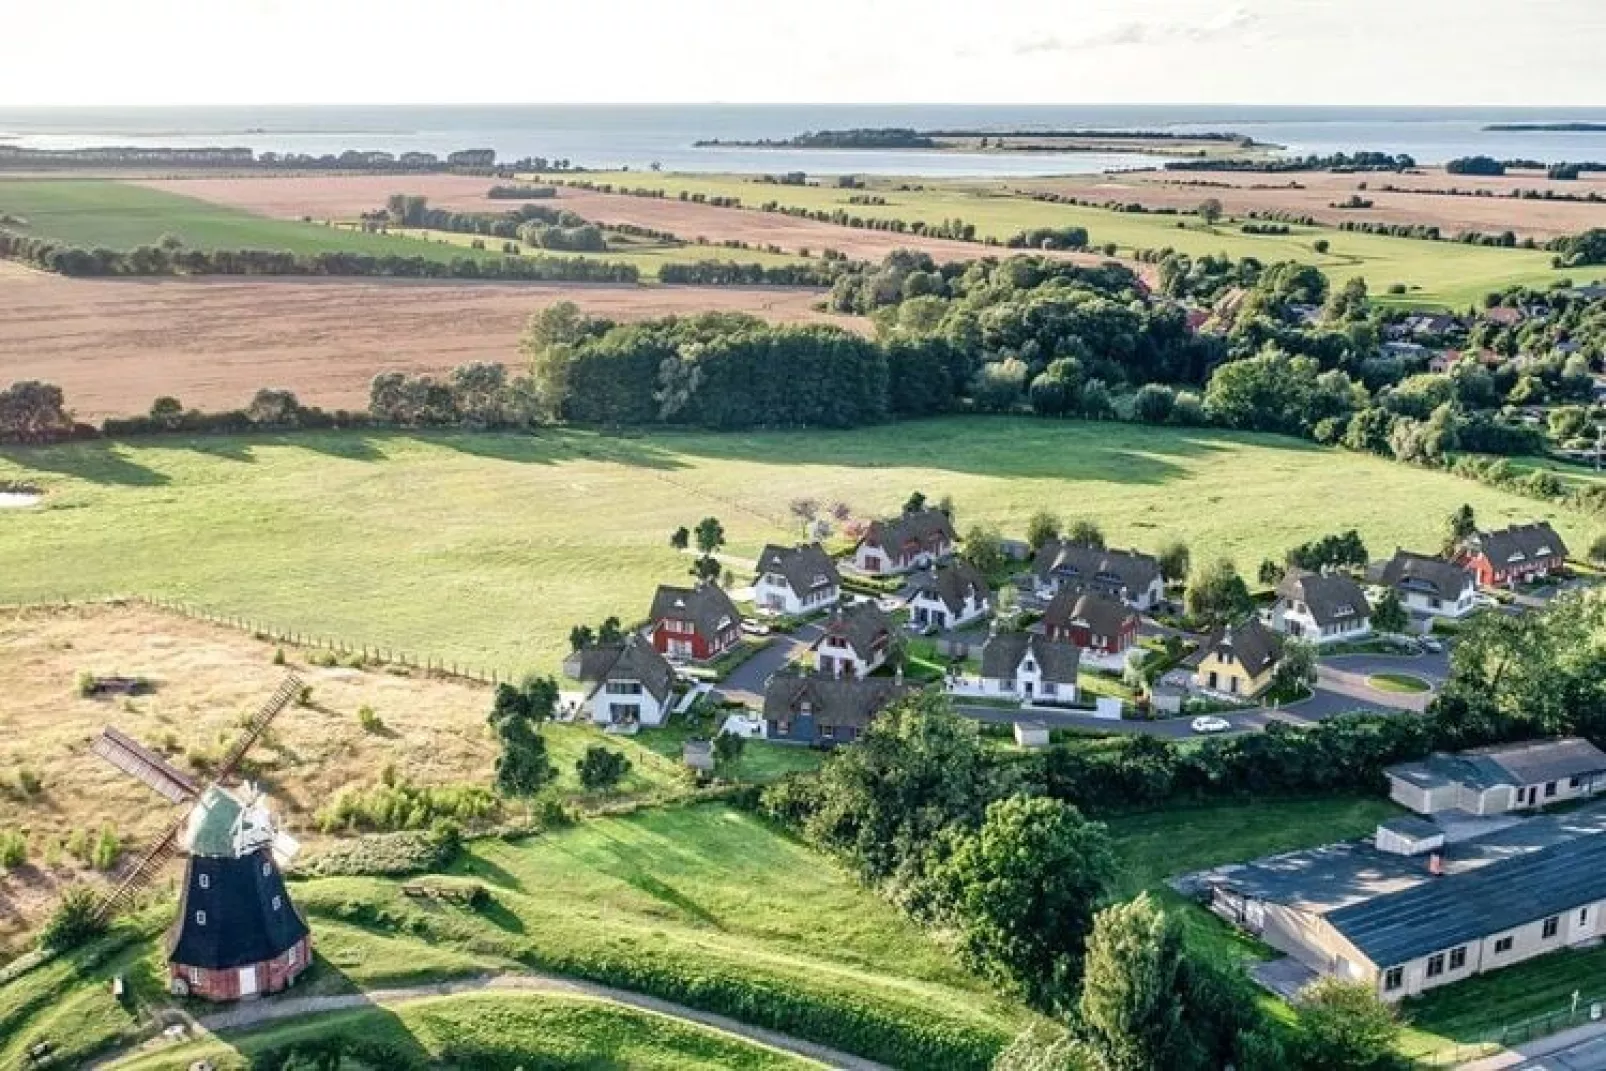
(1454, 910)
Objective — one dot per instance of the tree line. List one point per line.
(171, 258)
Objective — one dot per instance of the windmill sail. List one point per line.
(259, 724)
(144, 871)
(144, 765)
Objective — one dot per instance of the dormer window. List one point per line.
(200, 918)
(204, 881)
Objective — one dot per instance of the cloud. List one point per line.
(1226, 23)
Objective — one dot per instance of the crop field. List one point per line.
(115, 344)
(117, 215)
(345, 197)
(527, 1030)
(702, 905)
(486, 549)
(1318, 194)
(1438, 273)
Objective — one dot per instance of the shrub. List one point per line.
(13, 849)
(86, 684)
(75, 920)
(304, 695)
(388, 854)
(369, 720)
(278, 656)
(107, 847)
(403, 805)
(601, 768)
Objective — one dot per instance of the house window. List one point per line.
(1458, 958)
(1502, 945)
(195, 976)
(1394, 978)
(292, 957)
(200, 918)
(1550, 789)
(827, 732)
(624, 687)
(1583, 916)
(783, 727)
(204, 881)
(1436, 965)
(1552, 924)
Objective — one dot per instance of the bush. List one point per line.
(13, 849)
(601, 768)
(75, 920)
(388, 854)
(370, 721)
(403, 805)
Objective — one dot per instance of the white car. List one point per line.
(1210, 724)
(1432, 646)
(755, 628)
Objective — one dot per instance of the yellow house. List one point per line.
(1241, 661)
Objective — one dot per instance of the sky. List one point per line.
(1408, 52)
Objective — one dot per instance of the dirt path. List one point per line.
(259, 1013)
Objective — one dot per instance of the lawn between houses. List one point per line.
(1440, 273)
(704, 905)
(485, 549)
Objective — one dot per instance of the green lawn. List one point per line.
(115, 215)
(1441, 273)
(1398, 682)
(503, 1030)
(1156, 845)
(486, 549)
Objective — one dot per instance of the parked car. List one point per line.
(755, 628)
(1209, 723)
(890, 603)
(1432, 646)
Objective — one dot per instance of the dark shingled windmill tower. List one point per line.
(237, 934)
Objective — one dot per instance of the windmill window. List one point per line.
(200, 918)
(205, 881)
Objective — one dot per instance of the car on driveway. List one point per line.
(755, 628)
(1209, 723)
(1432, 646)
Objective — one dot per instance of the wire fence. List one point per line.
(369, 653)
(1579, 1010)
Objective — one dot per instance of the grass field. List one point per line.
(1439, 273)
(1154, 846)
(102, 213)
(647, 255)
(486, 549)
(525, 1030)
(1398, 682)
(702, 905)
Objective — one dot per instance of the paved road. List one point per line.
(746, 682)
(1171, 728)
(245, 1016)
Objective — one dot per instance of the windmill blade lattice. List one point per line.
(143, 872)
(259, 724)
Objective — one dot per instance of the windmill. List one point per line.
(237, 934)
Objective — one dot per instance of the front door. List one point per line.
(248, 981)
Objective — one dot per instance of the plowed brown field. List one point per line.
(114, 345)
(1314, 194)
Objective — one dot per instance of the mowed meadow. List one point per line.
(485, 549)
